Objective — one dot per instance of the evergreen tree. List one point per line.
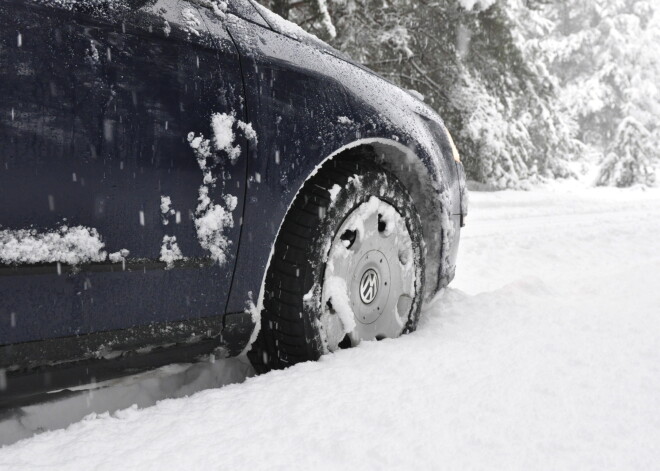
(526, 86)
(605, 56)
(627, 162)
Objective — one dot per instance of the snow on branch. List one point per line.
(326, 19)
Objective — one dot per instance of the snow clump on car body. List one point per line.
(212, 219)
(70, 245)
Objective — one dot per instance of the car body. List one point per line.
(104, 108)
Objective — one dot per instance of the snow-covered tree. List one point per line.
(627, 162)
(526, 86)
(313, 15)
(605, 56)
(473, 62)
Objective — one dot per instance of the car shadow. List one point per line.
(144, 390)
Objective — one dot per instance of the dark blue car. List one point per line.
(179, 178)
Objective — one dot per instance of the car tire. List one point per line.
(318, 278)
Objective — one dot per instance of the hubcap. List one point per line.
(369, 282)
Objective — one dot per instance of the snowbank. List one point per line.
(543, 355)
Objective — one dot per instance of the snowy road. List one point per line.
(544, 354)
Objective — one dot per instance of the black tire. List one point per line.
(289, 331)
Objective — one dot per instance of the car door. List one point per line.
(108, 124)
(293, 103)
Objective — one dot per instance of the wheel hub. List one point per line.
(369, 293)
(372, 253)
(369, 286)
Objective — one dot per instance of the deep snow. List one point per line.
(543, 354)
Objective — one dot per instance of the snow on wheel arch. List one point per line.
(433, 201)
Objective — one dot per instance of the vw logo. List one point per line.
(369, 286)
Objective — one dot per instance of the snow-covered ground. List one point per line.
(543, 354)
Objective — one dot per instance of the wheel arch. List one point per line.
(421, 179)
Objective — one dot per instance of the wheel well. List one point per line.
(418, 180)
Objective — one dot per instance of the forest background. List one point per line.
(532, 90)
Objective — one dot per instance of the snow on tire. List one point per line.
(348, 266)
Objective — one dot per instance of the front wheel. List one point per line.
(348, 266)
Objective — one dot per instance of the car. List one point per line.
(184, 178)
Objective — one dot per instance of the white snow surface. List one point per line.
(165, 205)
(219, 7)
(543, 354)
(191, 21)
(285, 26)
(70, 245)
(476, 4)
(337, 291)
(248, 130)
(326, 19)
(334, 191)
(166, 209)
(255, 315)
(212, 219)
(167, 29)
(170, 251)
(119, 257)
(416, 94)
(223, 134)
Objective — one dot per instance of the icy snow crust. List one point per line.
(544, 355)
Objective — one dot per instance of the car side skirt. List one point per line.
(58, 364)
